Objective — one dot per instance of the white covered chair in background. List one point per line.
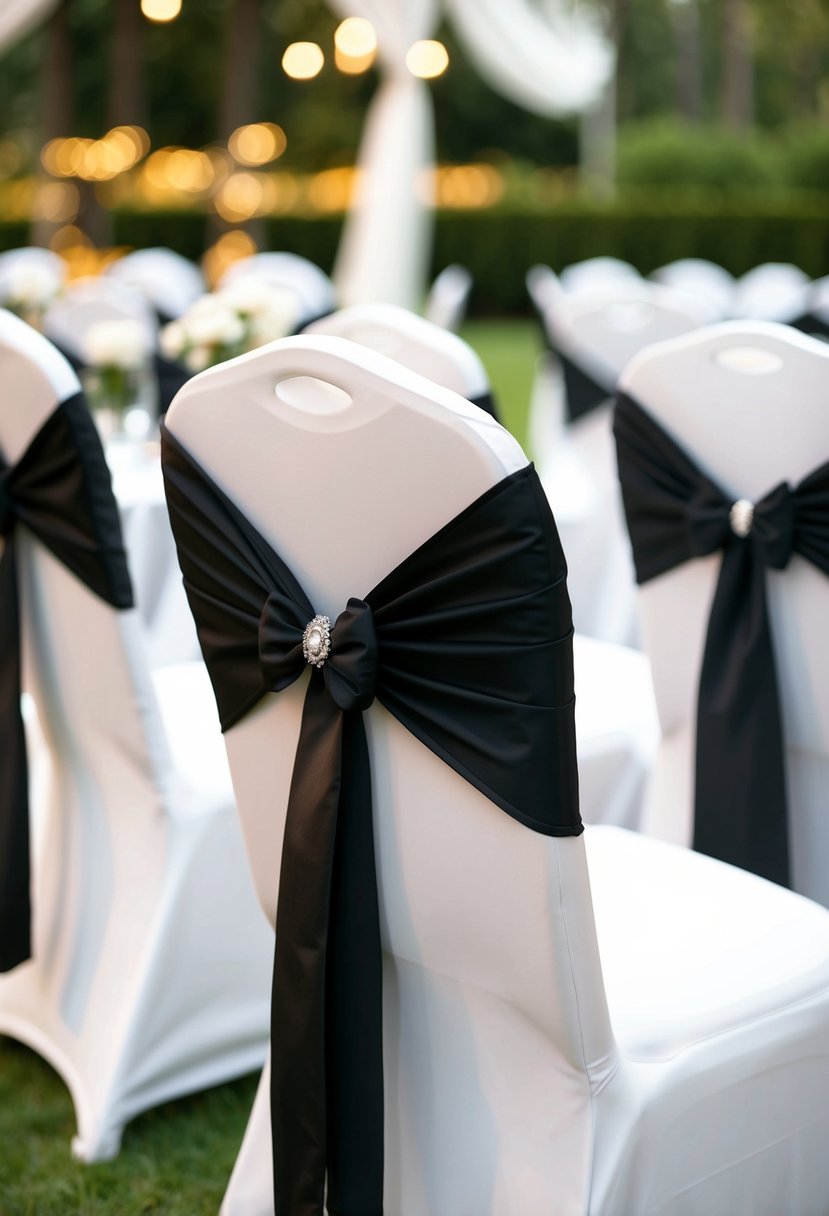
(311, 286)
(44, 262)
(149, 971)
(448, 298)
(88, 301)
(747, 401)
(615, 714)
(703, 279)
(597, 272)
(598, 331)
(534, 1065)
(774, 291)
(169, 281)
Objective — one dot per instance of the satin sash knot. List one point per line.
(676, 513)
(770, 536)
(349, 672)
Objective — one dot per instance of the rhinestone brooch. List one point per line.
(741, 517)
(316, 641)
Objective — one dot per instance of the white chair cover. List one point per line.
(88, 301)
(616, 735)
(703, 279)
(169, 281)
(513, 1086)
(311, 286)
(599, 329)
(598, 272)
(149, 973)
(448, 297)
(775, 291)
(748, 402)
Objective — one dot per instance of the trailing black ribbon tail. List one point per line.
(60, 490)
(468, 643)
(676, 513)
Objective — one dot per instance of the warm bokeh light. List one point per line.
(353, 65)
(303, 60)
(427, 59)
(467, 186)
(56, 202)
(230, 247)
(95, 160)
(161, 10)
(241, 197)
(258, 143)
(332, 189)
(355, 37)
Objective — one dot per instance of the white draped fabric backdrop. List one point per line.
(545, 55)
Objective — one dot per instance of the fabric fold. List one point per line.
(467, 644)
(60, 490)
(675, 513)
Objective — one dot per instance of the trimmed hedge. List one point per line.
(647, 228)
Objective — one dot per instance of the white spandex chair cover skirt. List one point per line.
(699, 277)
(149, 973)
(774, 291)
(515, 1086)
(311, 286)
(747, 400)
(169, 281)
(448, 297)
(88, 301)
(599, 329)
(615, 715)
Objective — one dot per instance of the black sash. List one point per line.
(60, 490)
(468, 643)
(486, 402)
(583, 392)
(676, 513)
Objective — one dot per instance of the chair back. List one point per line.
(169, 281)
(88, 301)
(703, 279)
(494, 1007)
(421, 345)
(312, 286)
(448, 298)
(747, 401)
(774, 291)
(83, 665)
(597, 273)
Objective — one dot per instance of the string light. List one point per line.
(258, 143)
(303, 60)
(161, 11)
(427, 59)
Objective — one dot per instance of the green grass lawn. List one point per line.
(175, 1161)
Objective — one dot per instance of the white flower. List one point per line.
(211, 322)
(272, 311)
(124, 343)
(197, 358)
(172, 340)
(31, 286)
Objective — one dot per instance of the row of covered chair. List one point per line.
(543, 1052)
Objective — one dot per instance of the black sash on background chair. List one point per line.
(675, 513)
(486, 402)
(583, 391)
(468, 643)
(60, 490)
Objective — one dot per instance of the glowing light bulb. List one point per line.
(303, 60)
(427, 59)
(161, 11)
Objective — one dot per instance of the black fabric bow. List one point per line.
(676, 513)
(468, 643)
(60, 490)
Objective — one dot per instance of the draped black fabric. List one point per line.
(676, 513)
(812, 323)
(60, 490)
(468, 643)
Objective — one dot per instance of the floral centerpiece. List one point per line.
(28, 290)
(245, 315)
(117, 355)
